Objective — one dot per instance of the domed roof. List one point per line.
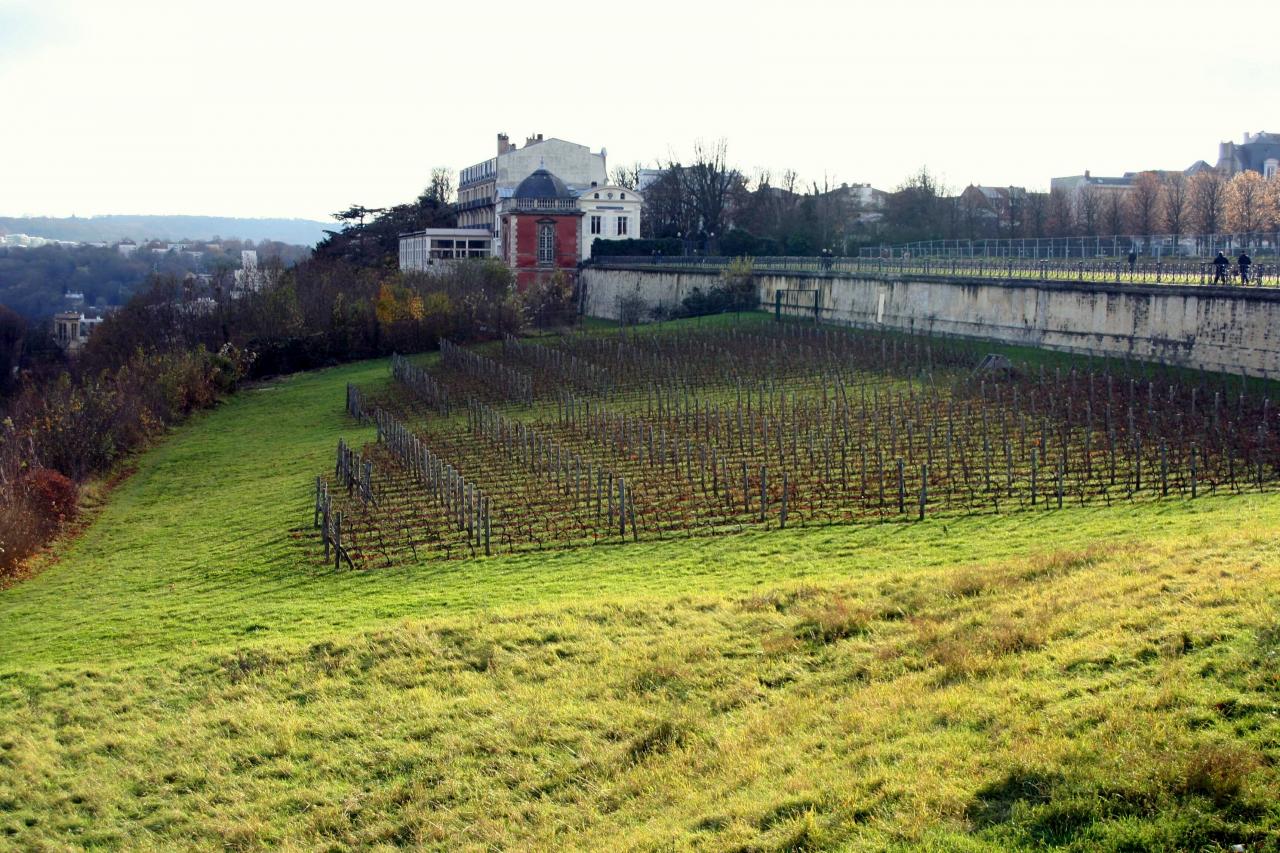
(542, 184)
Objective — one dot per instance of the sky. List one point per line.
(299, 109)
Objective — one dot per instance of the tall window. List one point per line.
(596, 225)
(622, 226)
(546, 244)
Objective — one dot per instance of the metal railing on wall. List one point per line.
(1154, 246)
(1148, 272)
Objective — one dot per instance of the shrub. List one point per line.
(51, 497)
(19, 531)
(601, 248)
(549, 301)
(631, 309)
(735, 292)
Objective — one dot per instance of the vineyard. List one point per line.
(592, 438)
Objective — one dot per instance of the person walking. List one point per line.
(1133, 259)
(1220, 265)
(1244, 261)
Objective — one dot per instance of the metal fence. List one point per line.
(1150, 272)
(1154, 246)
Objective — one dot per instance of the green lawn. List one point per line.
(187, 674)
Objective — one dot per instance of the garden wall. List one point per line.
(1215, 328)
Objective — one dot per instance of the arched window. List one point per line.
(546, 243)
(622, 196)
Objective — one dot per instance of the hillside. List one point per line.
(187, 673)
(116, 227)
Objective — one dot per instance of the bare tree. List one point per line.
(972, 212)
(1245, 203)
(1175, 202)
(1036, 217)
(1143, 199)
(1089, 210)
(1272, 206)
(440, 189)
(709, 182)
(1113, 213)
(1061, 222)
(830, 211)
(627, 176)
(1013, 205)
(913, 207)
(667, 209)
(1208, 193)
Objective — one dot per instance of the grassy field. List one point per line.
(187, 674)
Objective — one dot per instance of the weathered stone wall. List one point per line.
(1216, 328)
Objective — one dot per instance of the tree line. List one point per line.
(707, 204)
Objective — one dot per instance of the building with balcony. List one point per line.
(483, 186)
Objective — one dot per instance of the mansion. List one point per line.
(539, 208)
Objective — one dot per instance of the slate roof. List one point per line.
(542, 184)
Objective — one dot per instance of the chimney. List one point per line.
(529, 140)
(1086, 174)
(504, 143)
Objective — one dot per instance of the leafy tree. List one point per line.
(376, 244)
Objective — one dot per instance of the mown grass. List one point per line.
(187, 674)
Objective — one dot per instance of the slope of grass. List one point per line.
(187, 674)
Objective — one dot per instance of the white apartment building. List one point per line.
(609, 212)
(482, 187)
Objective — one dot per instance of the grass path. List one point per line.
(187, 674)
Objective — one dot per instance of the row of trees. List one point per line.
(704, 201)
(1154, 203)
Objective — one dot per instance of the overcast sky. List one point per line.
(269, 108)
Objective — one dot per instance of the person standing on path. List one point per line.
(1220, 265)
(1244, 261)
(1133, 259)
